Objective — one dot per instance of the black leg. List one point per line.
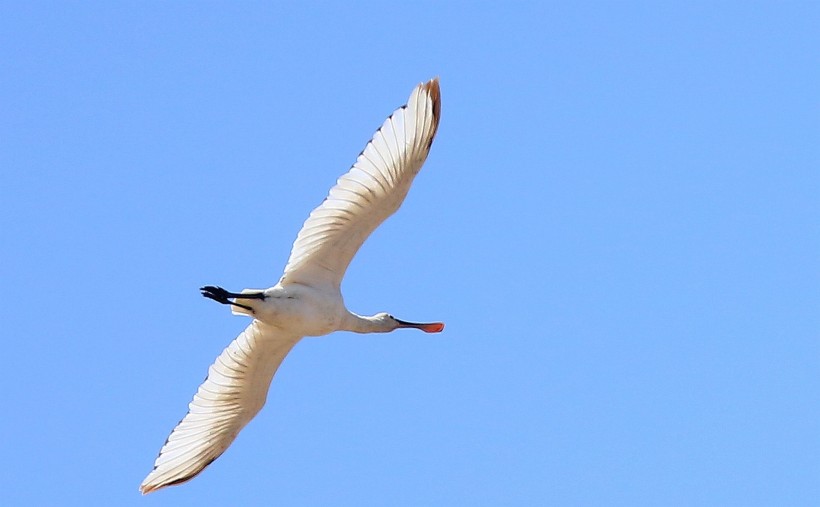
(220, 295)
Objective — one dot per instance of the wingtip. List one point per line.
(150, 484)
(434, 92)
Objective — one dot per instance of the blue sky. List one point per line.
(619, 223)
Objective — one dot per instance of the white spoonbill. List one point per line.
(307, 301)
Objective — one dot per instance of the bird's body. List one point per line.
(301, 309)
(307, 301)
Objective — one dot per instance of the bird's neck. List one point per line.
(365, 324)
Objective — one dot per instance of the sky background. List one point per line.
(619, 222)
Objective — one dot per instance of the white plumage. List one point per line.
(307, 300)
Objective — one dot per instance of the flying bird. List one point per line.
(307, 300)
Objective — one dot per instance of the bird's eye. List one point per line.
(390, 316)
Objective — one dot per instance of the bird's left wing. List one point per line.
(234, 392)
(371, 191)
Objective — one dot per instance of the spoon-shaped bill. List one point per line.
(431, 327)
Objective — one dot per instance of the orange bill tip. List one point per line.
(435, 327)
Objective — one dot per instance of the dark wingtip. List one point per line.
(150, 488)
(434, 91)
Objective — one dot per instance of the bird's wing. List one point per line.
(235, 390)
(371, 191)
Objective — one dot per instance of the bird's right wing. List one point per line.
(371, 191)
(234, 392)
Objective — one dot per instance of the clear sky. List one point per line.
(619, 222)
